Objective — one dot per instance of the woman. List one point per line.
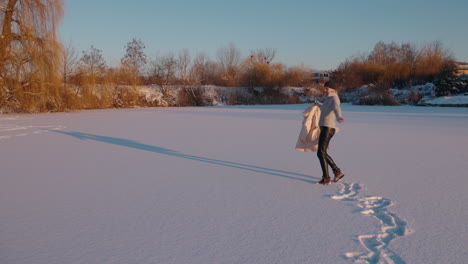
(330, 110)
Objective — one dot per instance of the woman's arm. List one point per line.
(337, 109)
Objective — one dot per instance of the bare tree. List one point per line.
(163, 70)
(298, 76)
(92, 62)
(229, 59)
(69, 63)
(134, 59)
(198, 69)
(163, 73)
(257, 70)
(263, 55)
(431, 60)
(204, 70)
(183, 66)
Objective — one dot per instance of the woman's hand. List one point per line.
(340, 120)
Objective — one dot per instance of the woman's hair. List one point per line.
(331, 90)
(330, 84)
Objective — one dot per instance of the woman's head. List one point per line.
(329, 87)
(328, 90)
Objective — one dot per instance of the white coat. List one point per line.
(309, 136)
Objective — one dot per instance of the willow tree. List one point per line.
(30, 54)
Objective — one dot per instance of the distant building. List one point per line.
(321, 75)
(462, 71)
(462, 68)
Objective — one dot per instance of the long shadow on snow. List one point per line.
(136, 145)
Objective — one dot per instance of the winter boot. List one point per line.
(324, 181)
(338, 175)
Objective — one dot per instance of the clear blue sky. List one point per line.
(319, 34)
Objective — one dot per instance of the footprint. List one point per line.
(391, 226)
(348, 192)
(22, 131)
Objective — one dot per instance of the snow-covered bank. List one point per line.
(455, 100)
(421, 95)
(122, 96)
(225, 185)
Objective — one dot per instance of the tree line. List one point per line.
(229, 69)
(392, 65)
(39, 73)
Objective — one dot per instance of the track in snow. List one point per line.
(391, 226)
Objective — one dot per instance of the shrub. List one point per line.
(190, 96)
(415, 97)
(378, 95)
(294, 99)
(126, 96)
(378, 99)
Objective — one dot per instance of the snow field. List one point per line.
(225, 185)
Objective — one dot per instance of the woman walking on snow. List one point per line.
(330, 110)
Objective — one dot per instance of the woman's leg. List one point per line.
(326, 133)
(332, 163)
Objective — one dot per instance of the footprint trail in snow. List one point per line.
(391, 226)
(8, 131)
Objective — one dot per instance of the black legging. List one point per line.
(326, 133)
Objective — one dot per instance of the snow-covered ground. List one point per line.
(225, 185)
(449, 100)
